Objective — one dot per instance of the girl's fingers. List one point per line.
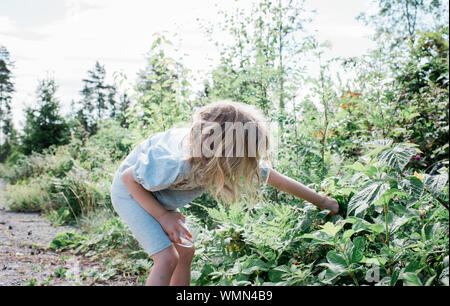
(187, 233)
(175, 238)
(182, 217)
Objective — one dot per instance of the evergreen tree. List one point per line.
(85, 114)
(98, 99)
(44, 125)
(120, 112)
(7, 133)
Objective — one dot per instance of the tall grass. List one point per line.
(28, 196)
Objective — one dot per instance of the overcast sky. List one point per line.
(66, 37)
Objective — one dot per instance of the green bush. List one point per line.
(107, 239)
(27, 196)
(78, 193)
(54, 162)
(67, 240)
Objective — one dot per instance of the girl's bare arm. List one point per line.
(286, 184)
(167, 219)
(142, 196)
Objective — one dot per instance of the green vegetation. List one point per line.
(377, 143)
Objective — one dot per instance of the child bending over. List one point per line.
(224, 152)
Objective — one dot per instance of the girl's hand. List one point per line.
(170, 223)
(330, 204)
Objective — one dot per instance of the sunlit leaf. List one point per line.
(366, 197)
(347, 234)
(336, 266)
(396, 157)
(377, 228)
(355, 250)
(410, 279)
(331, 229)
(435, 183)
(412, 186)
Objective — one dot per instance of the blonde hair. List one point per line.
(225, 177)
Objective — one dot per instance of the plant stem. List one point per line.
(352, 275)
(381, 237)
(386, 209)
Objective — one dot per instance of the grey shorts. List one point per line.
(146, 229)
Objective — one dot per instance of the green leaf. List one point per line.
(357, 166)
(331, 229)
(409, 116)
(384, 199)
(378, 145)
(410, 279)
(336, 266)
(319, 238)
(430, 280)
(275, 275)
(435, 183)
(347, 234)
(366, 197)
(413, 267)
(412, 186)
(376, 228)
(337, 259)
(207, 269)
(394, 277)
(369, 170)
(394, 221)
(355, 250)
(373, 261)
(253, 264)
(397, 157)
(382, 142)
(358, 223)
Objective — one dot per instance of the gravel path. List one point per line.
(26, 260)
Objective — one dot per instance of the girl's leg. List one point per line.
(182, 274)
(164, 264)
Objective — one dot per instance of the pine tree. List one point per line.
(120, 112)
(85, 114)
(98, 99)
(7, 133)
(44, 125)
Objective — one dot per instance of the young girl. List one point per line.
(170, 169)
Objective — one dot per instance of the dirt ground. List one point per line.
(26, 260)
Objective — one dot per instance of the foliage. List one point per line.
(44, 125)
(393, 240)
(98, 100)
(66, 240)
(8, 140)
(162, 95)
(28, 196)
(377, 143)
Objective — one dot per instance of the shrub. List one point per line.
(54, 162)
(77, 192)
(67, 240)
(28, 196)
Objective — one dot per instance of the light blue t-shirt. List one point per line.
(159, 165)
